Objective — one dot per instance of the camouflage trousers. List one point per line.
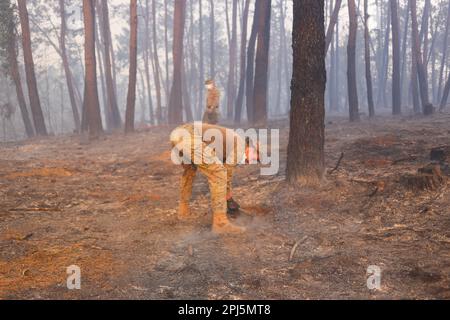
(220, 179)
(219, 175)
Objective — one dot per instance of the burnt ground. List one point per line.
(110, 207)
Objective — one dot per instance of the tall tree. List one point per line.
(176, 93)
(157, 66)
(212, 40)
(262, 63)
(332, 24)
(351, 63)
(91, 102)
(114, 113)
(396, 84)
(243, 67)
(305, 162)
(202, 58)
(231, 85)
(35, 103)
(368, 61)
(66, 65)
(251, 63)
(445, 94)
(8, 50)
(131, 97)
(444, 52)
(423, 85)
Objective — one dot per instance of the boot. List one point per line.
(233, 208)
(184, 212)
(221, 224)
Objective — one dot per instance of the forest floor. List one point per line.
(110, 207)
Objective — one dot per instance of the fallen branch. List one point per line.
(294, 248)
(338, 164)
(410, 158)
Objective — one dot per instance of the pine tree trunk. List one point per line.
(444, 53)
(91, 103)
(231, 86)
(15, 75)
(351, 63)
(157, 66)
(332, 25)
(251, 64)
(176, 101)
(67, 71)
(212, 41)
(368, 61)
(396, 85)
(35, 103)
(110, 82)
(131, 97)
(423, 86)
(305, 159)
(262, 63)
(240, 96)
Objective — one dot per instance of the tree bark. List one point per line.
(262, 63)
(444, 53)
(15, 75)
(231, 86)
(176, 100)
(251, 64)
(35, 103)
(423, 86)
(445, 94)
(157, 66)
(332, 24)
(91, 103)
(396, 85)
(110, 82)
(351, 63)
(305, 157)
(212, 41)
(131, 97)
(368, 61)
(66, 65)
(240, 96)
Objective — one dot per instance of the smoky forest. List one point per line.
(224, 150)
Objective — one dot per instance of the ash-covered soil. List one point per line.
(109, 207)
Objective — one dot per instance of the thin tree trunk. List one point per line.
(231, 86)
(404, 47)
(351, 63)
(396, 85)
(382, 76)
(332, 24)
(166, 46)
(240, 96)
(15, 75)
(445, 94)
(305, 156)
(131, 97)
(110, 82)
(146, 55)
(176, 101)
(35, 103)
(212, 41)
(157, 66)
(262, 63)
(368, 61)
(201, 62)
(423, 86)
(251, 64)
(444, 53)
(91, 103)
(67, 71)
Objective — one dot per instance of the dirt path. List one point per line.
(110, 208)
